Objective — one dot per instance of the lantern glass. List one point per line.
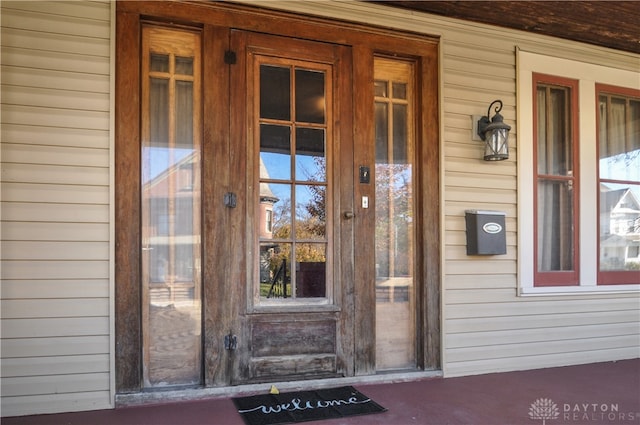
(496, 144)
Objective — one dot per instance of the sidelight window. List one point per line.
(170, 192)
(394, 105)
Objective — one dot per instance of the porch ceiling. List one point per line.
(611, 24)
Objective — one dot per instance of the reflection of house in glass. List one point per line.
(619, 229)
(267, 200)
(171, 248)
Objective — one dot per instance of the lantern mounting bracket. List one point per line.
(483, 122)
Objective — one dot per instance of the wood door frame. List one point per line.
(365, 41)
(218, 219)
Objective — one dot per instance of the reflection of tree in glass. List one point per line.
(313, 225)
(316, 207)
(311, 222)
(394, 217)
(627, 159)
(282, 219)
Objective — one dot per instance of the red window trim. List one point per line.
(611, 277)
(570, 277)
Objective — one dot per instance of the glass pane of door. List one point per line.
(394, 212)
(170, 163)
(293, 241)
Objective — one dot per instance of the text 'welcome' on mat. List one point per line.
(301, 406)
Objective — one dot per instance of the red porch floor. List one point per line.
(600, 393)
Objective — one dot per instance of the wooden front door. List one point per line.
(291, 172)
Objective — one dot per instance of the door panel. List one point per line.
(223, 267)
(292, 318)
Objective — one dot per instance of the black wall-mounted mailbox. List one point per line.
(486, 233)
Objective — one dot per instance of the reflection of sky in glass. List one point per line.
(282, 207)
(278, 168)
(303, 196)
(308, 168)
(624, 166)
(616, 186)
(282, 192)
(278, 165)
(155, 160)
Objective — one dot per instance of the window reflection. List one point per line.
(394, 223)
(311, 264)
(311, 212)
(275, 151)
(275, 92)
(293, 183)
(309, 96)
(619, 172)
(394, 203)
(275, 270)
(310, 154)
(170, 208)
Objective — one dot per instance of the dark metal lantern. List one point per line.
(495, 134)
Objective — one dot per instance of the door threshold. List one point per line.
(192, 394)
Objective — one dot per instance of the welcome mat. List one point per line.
(301, 406)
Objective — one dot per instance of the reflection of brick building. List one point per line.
(170, 223)
(172, 199)
(267, 200)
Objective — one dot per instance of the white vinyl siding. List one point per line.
(486, 326)
(55, 197)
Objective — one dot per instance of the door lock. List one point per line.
(230, 200)
(230, 342)
(349, 214)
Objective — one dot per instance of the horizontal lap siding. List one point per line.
(486, 326)
(55, 207)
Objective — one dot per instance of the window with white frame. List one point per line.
(578, 176)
